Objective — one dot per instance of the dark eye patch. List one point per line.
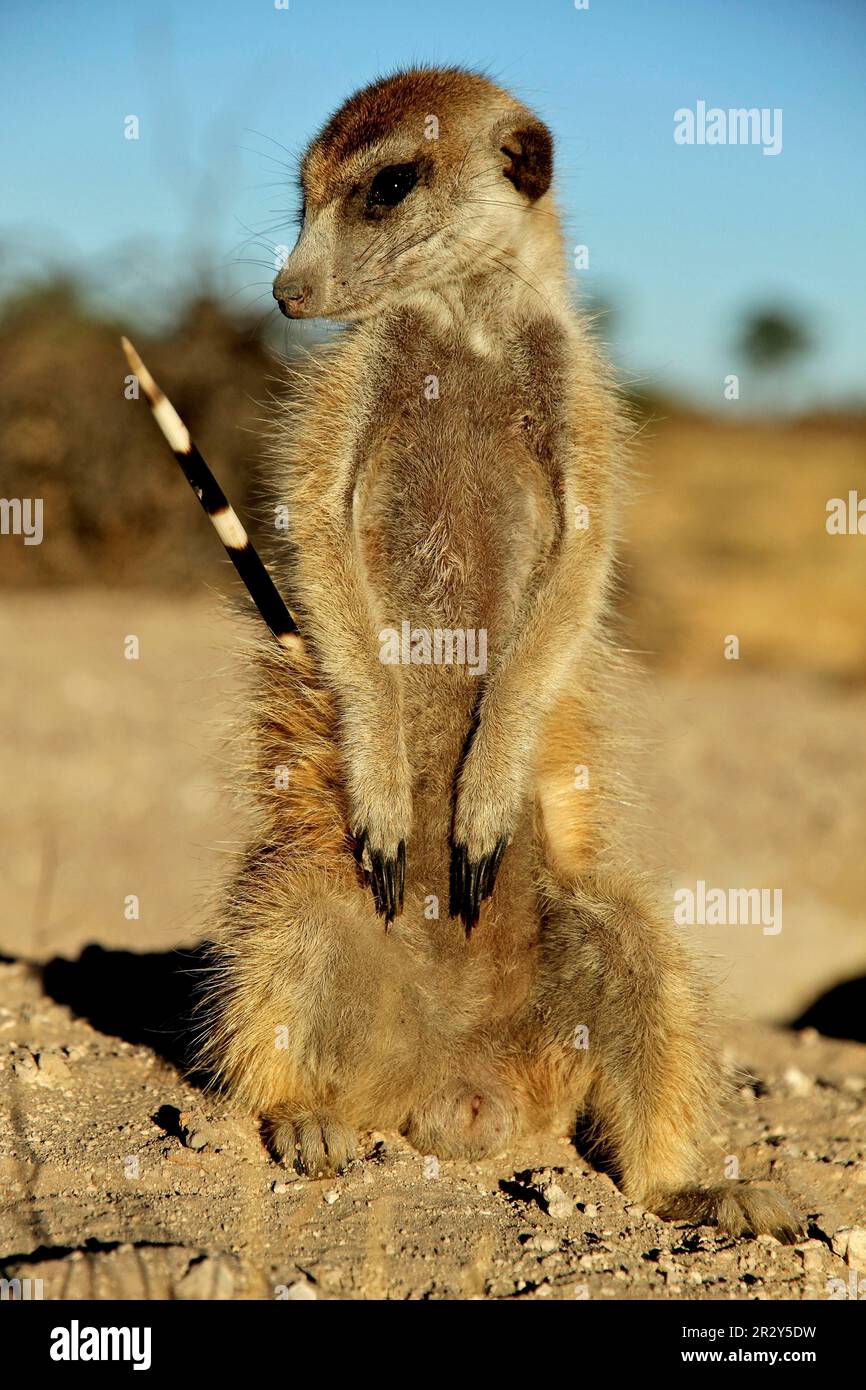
(391, 185)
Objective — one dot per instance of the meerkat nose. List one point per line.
(289, 295)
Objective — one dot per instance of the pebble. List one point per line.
(331, 1196)
(855, 1251)
(302, 1289)
(53, 1071)
(197, 1134)
(839, 1241)
(545, 1244)
(798, 1083)
(558, 1204)
(812, 1255)
(42, 1069)
(279, 1188)
(25, 1068)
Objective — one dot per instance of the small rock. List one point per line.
(196, 1132)
(839, 1242)
(25, 1068)
(798, 1083)
(558, 1205)
(331, 1196)
(855, 1252)
(42, 1069)
(808, 1036)
(300, 1290)
(544, 1244)
(53, 1071)
(279, 1188)
(812, 1255)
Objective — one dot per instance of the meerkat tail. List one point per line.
(223, 516)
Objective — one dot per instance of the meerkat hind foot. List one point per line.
(737, 1209)
(313, 1141)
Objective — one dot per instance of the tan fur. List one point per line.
(454, 512)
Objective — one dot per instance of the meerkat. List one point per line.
(430, 933)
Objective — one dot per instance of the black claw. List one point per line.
(454, 886)
(390, 889)
(493, 862)
(401, 874)
(472, 881)
(377, 881)
(471, 894)
(386, 876)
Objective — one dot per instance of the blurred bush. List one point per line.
(116, 507)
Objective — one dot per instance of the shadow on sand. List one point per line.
(147, 998)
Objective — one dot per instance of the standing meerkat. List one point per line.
(429, 933)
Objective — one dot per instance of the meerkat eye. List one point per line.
(391, 185)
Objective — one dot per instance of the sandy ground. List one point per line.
(119, 1179)
(119, 1182)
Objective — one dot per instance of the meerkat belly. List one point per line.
(453, 517)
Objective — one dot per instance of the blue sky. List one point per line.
(682, 239)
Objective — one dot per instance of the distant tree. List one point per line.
(771, 338)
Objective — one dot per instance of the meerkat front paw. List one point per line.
(313, 1141)
(486, 812)
(380, 798)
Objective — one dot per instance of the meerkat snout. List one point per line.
(419, 181)
(291, 298)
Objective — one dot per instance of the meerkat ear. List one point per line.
(526, 147)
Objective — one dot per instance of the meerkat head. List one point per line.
(418, 182)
